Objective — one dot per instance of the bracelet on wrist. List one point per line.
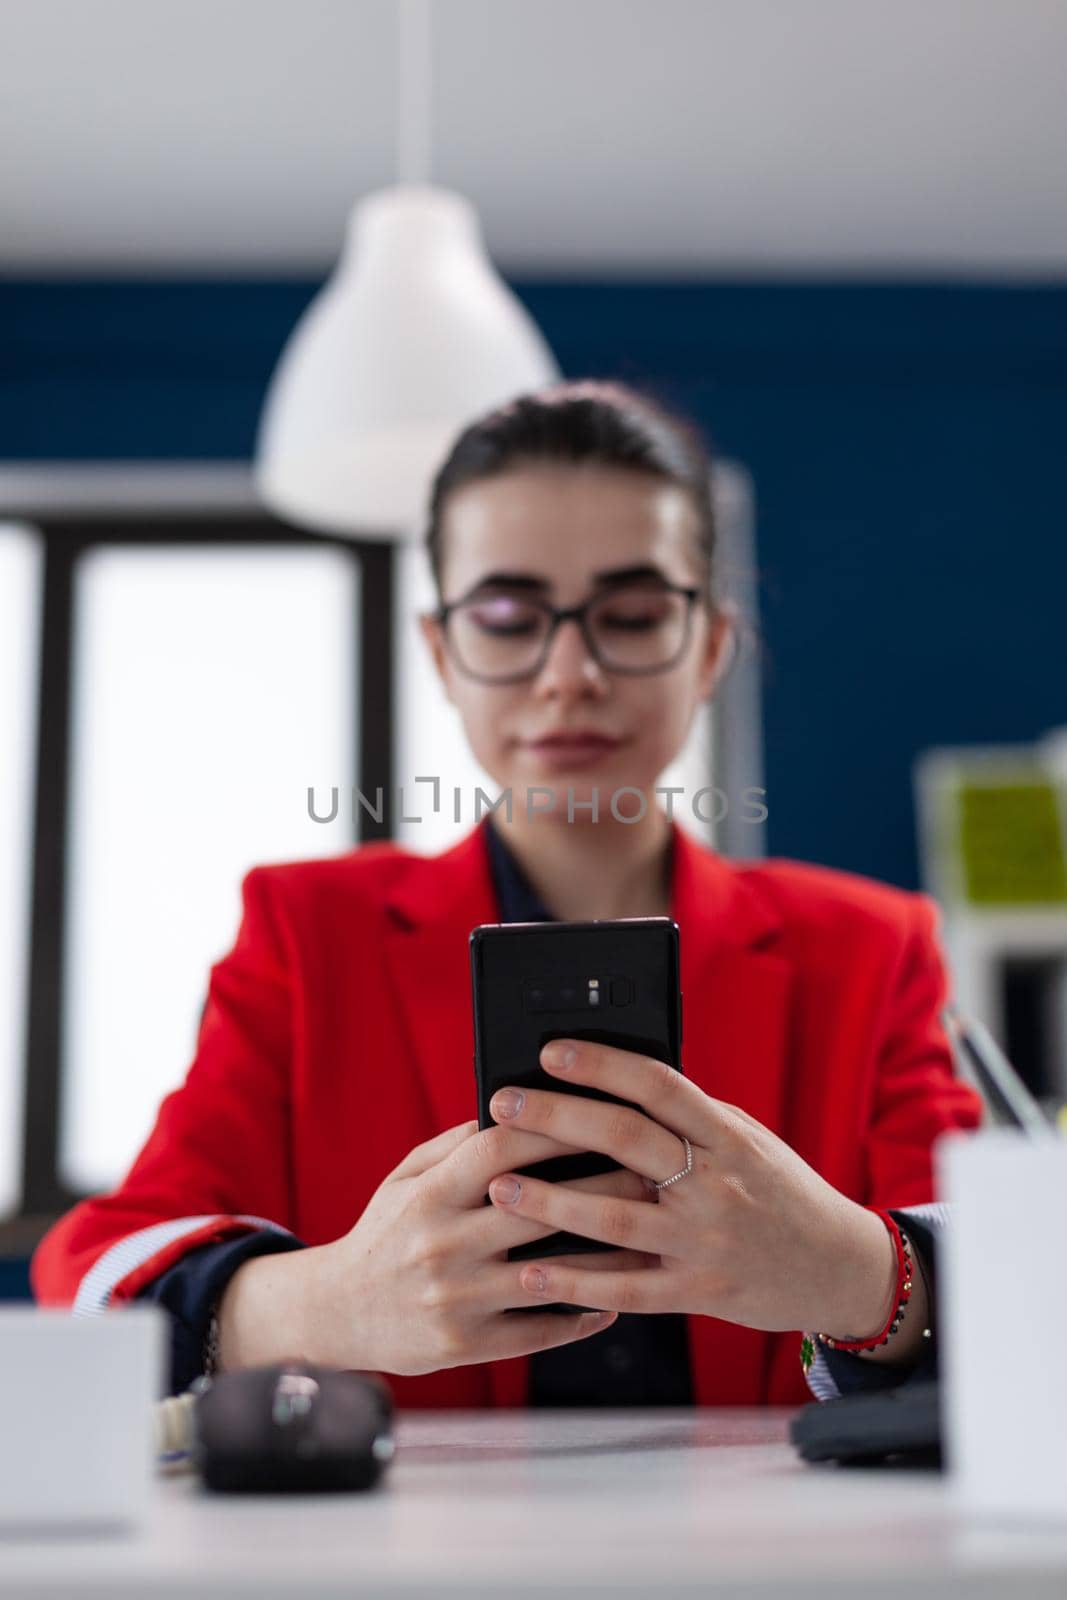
(901, 1296)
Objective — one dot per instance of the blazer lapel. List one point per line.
(431, 913)
(735, 986)
(736, 993)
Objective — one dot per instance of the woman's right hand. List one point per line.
(422, 1280)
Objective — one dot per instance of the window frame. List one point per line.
(73, 509)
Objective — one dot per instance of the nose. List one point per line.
(570, 667)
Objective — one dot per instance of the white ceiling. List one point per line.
(595, 136)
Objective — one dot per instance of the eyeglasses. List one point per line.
(500, 636)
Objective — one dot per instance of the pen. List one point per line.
(1002, 1086)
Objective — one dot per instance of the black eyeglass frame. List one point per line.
(578, 614)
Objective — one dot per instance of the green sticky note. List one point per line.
(1011, 844)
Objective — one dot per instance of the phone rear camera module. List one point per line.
(563, 994)
(551, 994)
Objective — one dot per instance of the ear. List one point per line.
(720, 648)
(432, 632)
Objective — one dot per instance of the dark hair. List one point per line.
(580, 421)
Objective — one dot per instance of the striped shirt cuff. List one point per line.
(139, 1257)
(821, 1380)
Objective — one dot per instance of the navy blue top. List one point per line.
(641, 1360)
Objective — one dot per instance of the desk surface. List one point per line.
(562, 1504)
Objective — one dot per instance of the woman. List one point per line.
(317, 1186)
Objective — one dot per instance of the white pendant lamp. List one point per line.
(413, 336)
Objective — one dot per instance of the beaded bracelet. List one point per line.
(901, 1296)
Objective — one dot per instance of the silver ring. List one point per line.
(685, 1170)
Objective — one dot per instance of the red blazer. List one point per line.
(338, 1034)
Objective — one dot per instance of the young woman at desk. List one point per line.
(316, 1187)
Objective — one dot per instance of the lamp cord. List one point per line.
(413, 92)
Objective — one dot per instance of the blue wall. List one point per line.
(906, 443)
(15, 1279)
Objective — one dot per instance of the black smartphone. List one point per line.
(616, 982)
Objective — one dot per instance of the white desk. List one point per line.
(563, 1504)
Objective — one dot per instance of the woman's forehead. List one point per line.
(564, 524)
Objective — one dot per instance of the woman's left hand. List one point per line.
(752, 1234)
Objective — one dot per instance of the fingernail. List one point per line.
(535, 1281)
(507, 1103)
(506, 1190)
(560, 1056)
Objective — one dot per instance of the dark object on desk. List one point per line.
(898, 1427)
(293, 1428)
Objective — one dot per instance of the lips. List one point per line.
(574, 741)
(567, 752)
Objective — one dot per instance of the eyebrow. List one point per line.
(610, 575)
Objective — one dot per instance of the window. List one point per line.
(211, 687)
(172, 682)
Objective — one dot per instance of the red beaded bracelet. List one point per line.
(901, 1296)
